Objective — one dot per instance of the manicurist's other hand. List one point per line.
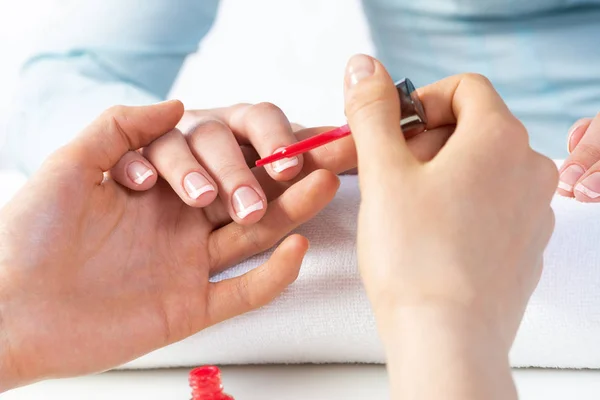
(449, 249)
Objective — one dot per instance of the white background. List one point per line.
(291, 53)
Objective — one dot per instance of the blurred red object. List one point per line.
(206, 384)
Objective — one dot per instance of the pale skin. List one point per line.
(580, 173)
(88, 265)
(450, 249)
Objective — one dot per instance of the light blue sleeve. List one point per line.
(100, 53)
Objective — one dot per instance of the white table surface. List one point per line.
(331, 382)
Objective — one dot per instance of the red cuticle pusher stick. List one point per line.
(306, 145)
(413, 122)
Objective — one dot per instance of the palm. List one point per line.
(154, 251)
(133, 267)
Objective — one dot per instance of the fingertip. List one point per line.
(199, 189)
(330, 182)
(297, 243)
(290, 253)
(202, 200)
(372, 107)
(369, 86)
(287, 168)
(142, 175)
(587, 190)
(580, 195)
(134, 172)
(248, 205)
(175, 106)
(564, 193)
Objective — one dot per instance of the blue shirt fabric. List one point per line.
(540, 55)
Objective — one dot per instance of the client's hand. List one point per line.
(450, 250)
(580, 173)
(93, 275)
(210, 156)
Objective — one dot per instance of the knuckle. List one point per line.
(206, 126)
(228, 171)
(330, 154)
(508, 132)
(215, 252)
(587, 151)
(549, 172)
(544, 172)
(472, 77)
(265, 108)
(168, 154)
(518, 131)
(256, 243)
(209, 125)
(285, 220)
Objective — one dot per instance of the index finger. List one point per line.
(266, 128)
(460, 96)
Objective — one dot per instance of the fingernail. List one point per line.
(283, 164)
(570, 133)
(246, 201)
(359, 67)
(138, 172)
(590, 186)
(195, 184)
(573, 129)
(569, 177)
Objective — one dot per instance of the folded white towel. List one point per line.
(325, 316)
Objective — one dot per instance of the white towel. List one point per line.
(325, 316)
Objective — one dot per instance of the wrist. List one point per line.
(445, 352)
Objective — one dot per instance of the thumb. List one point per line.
(373, 113)
(258, 287)
(121, 129)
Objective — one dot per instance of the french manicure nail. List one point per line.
(138, 172)
(195, 184)
(590, 186)
(285, 163)
(569, 177)
(246, 201)
(359, 67)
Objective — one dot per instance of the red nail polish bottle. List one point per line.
(206, 384)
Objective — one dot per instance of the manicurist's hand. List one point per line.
(449, 249)
(93, 274)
